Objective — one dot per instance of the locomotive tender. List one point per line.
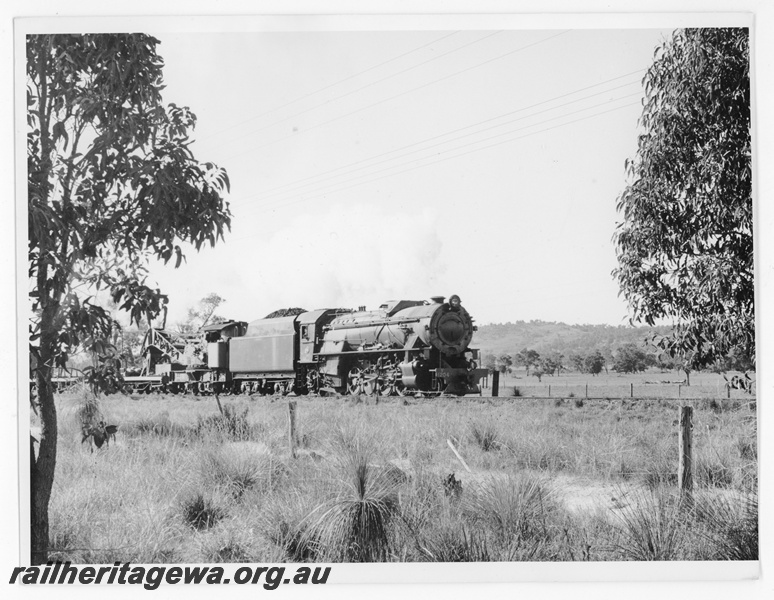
(404, 346)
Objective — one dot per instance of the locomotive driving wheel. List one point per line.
(390, 381)
(363, 381)
(313, 381)
(371, 381)
(355, 381)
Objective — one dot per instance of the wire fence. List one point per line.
(600, 391)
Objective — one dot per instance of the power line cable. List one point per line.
(344, 95)
(276, 188)
(327, 87)
(331, 191)
(298, 194)
(248, 152)
(316, 180)
(439, 161)
(459, 147)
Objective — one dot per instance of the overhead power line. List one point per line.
(327, 87)
(421, 166)
(458, 147)
(246, 153)
(353, 167)
(351, 92)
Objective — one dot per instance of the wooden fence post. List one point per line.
(685, 447)
(292, 427)
(495, 383)
(631, 390)
(679, 386)
(549, 390)
(587, 390)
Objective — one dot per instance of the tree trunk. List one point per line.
(43, 467)
(687, 377)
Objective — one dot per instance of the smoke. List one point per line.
(334, 258)
(344, 258)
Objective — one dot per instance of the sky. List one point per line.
(375, 165)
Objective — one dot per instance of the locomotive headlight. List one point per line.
(455, 301)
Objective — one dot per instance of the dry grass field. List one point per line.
(650, 384)
(551, 480)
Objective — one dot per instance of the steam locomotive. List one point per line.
(404, 346)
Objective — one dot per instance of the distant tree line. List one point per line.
(550, 364)
(627, 358)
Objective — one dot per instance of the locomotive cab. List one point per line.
(311, 332)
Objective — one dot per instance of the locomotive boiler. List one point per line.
(404, 346)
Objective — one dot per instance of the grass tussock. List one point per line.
(231, 424)
(660, 472)
(228, 547)
(200, 511)
(283, 522)
(66, 543)
(747, 449)
(156, 425)
(651, 526)
(730, 525)
(242, 466)
(355, 524)
(514, 508)
(485, 435)
(714, 470)
(454, 541)
(538, 453)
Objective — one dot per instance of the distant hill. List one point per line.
(545, 336)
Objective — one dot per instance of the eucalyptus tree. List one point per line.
(112, 182)
(685, 245)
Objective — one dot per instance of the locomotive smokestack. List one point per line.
(437, 299)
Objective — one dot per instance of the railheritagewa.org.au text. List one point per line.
(151, 578)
